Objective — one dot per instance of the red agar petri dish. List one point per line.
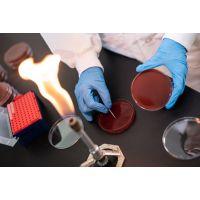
(151, 90)
(124, 113)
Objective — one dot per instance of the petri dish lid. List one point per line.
(151, 90)
(181, 139)
(61, 135)
(125, 114)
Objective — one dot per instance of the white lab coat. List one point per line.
(81, 51)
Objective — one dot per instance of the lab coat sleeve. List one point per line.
(80, 51)
(186, 39)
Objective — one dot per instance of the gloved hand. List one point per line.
(172, 55)
(90, 87)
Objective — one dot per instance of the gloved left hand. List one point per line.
(172, 55)
(90, 87)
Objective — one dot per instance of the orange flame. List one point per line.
(45, 75)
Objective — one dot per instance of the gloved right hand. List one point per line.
(172, 55)
(90, 87)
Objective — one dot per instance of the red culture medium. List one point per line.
(124, 113)
(151, 90)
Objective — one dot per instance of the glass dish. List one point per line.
(181, 139)
(151, 90)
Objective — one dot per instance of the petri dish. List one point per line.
(61, 135)
(151, 90)
(16, 54)
(7, 94)
(124, 113)
(3, 74)
(181, 139)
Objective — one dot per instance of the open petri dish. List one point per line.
(151, 90)
(124, 113)
(61, 135)
(181, 139)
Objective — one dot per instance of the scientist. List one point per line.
(81, 51)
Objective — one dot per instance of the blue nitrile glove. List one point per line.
(90, 87)
(172, 55)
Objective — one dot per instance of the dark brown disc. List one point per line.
(5, 93)
(16, 54)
